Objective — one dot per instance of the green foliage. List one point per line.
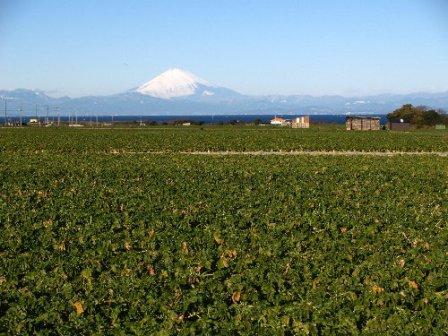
(236, 138)
(419, 115)
(171, 244)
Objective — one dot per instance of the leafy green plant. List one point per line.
(182, 244)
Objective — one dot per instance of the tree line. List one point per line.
(419, 115)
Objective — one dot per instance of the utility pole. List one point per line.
(56, 111)
(6, 112)
(20, 115)
(46, 119)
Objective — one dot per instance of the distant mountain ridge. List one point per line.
(178, 92)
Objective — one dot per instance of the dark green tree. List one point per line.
(418, 115)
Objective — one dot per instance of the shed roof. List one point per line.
(362, 117)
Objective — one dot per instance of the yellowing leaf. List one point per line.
(377, 289)
(218, 239)
(236, 296)
(223, 262)
(151, 270)
(413, 284)
(78, 307)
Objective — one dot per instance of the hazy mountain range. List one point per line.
(178, 92)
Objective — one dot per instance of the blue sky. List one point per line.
(347, 47)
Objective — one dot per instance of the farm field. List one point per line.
(169, 243)
(217, 138)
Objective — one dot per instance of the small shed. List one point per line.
(301, 122)
(399, 125)
(362, 123)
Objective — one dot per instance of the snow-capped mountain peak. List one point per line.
(173, 83)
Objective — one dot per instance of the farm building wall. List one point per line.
(362, 124)
(399, 126)
(301, 122)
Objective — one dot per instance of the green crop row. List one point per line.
(179, 244)
(30, 140)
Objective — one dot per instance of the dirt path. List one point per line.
(290, 153)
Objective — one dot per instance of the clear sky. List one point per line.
(348, 47)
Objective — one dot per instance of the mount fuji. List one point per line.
(176, 83)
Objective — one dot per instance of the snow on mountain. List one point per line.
(208, 93)
(175, 83)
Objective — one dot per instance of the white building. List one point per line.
(279, 121)
(301, 122)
